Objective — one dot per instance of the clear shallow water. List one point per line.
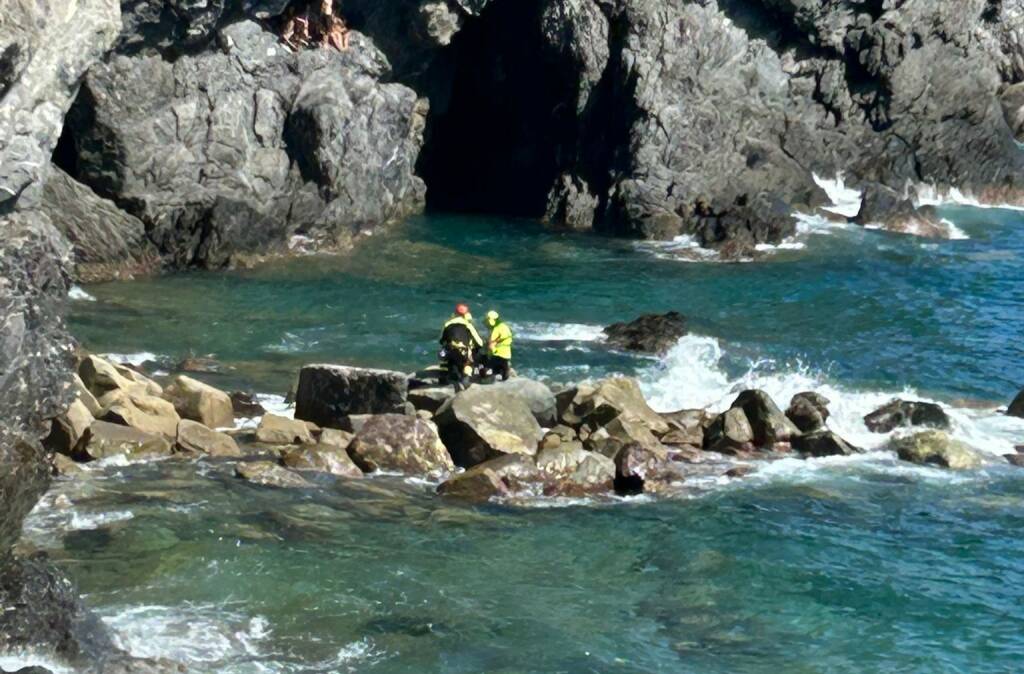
(825, 566)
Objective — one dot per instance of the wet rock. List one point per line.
(739, 471)
(597, 405)
(41, 607)
(396, 442)
(1016, 408)
(884, 208)
(335, 438)
(245, 405)
(477, 484)
(142, 412)
(483, 423)
(199, 365)
(322, 458)
(936, 447)
(808, 411)
(1015, 459)
(571, 470)
(277, 430)
(195, 437)
(730, 433)
(328, 394)
(269, 474)
(537, 396)
(107, 439)
(68, 429)
(429, 399)
(687, 427)
(823, 443)
(769, 424)
(618, 433)
(637, 467)
(201, 402)
(901, 413)
(65, 466)
(651, 333)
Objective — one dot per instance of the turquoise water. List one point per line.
(839, 565)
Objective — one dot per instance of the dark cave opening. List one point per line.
(494, 147)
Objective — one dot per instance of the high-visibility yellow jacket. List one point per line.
(466, 323)
(501, 340)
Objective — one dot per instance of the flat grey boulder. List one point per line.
(268, 474)
(105, 439)
(769, 424)
(935, 447)
(328, 394)
(484, 423)
(396, 442)
(903, 414)
(537, 396)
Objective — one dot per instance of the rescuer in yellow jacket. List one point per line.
(499, 346)
(459, 342)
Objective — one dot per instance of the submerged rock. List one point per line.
(937, 448)
(901, 413)
(769, 425)
(395, 442)
(483, 423)
(476, 484)
(200, 402)
(277, 430)
(328, 394)
(269, 474)
(651, 333)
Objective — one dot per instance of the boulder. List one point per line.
(730, 433)
(637, 467)
(769, 424)
(66, 467)
(327, 394)
(1016, 408)
(201, 402)
(269, 474)
(431, 398)
(197, 438)
(651, 333)
(322, 458)
(618, 433)
(68, 429)
(105, 439)
(566, 433)
(246, 405)
(550, 441)
(936, 447)
(900, 413)
(571, 470)
(823, 443)
(517, 471)
(396, 442)
(138, 379)
(537, 396)
(596, 405)
(808, 411)
(140, 411)
(277, 430)
(100, 377)
(335, 438)
(476, 484)
(485, 422)
(1015, 459)
(687, 427)
(86, 396)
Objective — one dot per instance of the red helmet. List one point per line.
(461, 309)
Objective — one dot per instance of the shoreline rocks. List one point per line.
(650, 333)
(901, 413)
(328, 394)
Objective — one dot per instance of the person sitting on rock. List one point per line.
(499, 346)
(459, 342)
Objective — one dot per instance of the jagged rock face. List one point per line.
(45, 46)
(225, 153)
(35, 359)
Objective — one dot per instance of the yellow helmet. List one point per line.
(492, 316)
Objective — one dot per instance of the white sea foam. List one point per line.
(930, 195)
(558, 332)
(132, 358)
(16, 661)
(76, 293)
(274, 404)
(692, 376)
(683, 248)
(846, 201)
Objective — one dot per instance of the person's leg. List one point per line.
(503, 368)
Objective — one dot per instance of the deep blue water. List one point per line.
(862, 565)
